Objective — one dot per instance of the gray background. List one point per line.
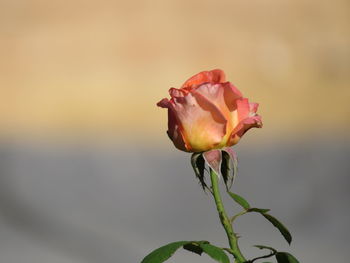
(104, 202)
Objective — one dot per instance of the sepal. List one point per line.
(229, 167)
(222, 161)
(213, 159)
(198, 165)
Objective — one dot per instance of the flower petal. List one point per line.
(253, 107)
(202, 123)
(212, 76)
(175, 93)
(229, 101)
(243, 108)
(243, 127)
(164, 103)
(231, 95)
(208, 113)
(174, 131)
(215, 94)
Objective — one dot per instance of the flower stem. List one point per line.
(225, 221)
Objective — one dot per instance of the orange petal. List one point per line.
(212, 76)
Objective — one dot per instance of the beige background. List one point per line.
(100, 66)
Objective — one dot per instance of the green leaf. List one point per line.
(258, 210)
(215, 253)
(163, 253)
(240, 200)
(284, 257)
(284, 231)
(193, 247)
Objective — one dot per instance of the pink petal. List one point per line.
(215, 94)
(175, 93)
(175, 131)
(220, 94)
(243, 127)
(164, 103)
(231, 95)
(213, 159)
(253, 107)
(243, 108)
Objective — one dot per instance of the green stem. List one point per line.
(225, 221)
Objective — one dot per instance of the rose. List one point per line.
(208, 113)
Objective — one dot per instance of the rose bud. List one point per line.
(208, 113)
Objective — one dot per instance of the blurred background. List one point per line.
(87, 173)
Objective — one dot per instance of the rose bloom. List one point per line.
(208, 113)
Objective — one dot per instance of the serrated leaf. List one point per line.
(163, 253)
(240, 200)
(198, 164)
(284, 231)
(258, 210)
(284, 257)
(215, 253)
